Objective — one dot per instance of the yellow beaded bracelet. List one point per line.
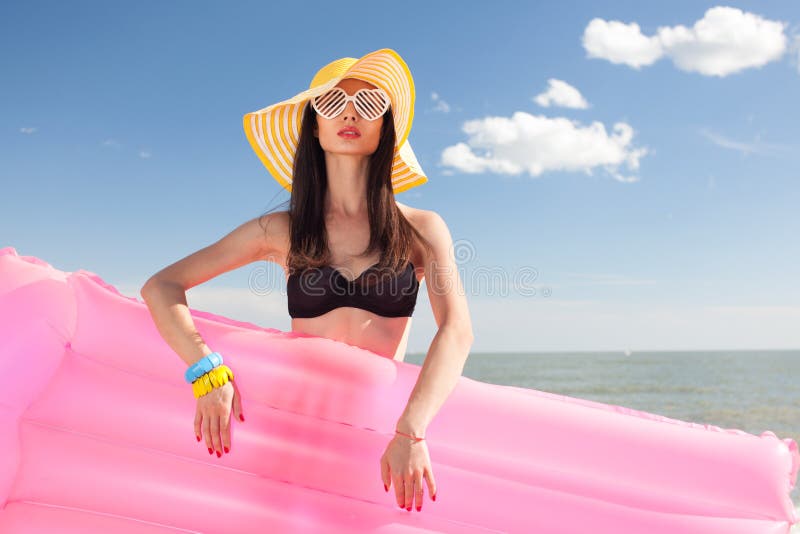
(215, 378)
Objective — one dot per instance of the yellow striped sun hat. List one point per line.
(274, 131)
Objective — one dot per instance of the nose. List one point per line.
(350, 111)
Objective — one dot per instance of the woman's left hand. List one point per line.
(405, 463)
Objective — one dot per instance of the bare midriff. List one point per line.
(387, 336)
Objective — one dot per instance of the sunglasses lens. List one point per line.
(331, 103)
(371, 104)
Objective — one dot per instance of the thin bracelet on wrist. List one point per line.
(415, 438)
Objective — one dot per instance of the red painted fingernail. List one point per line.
(198, 438)
(219, 454)
(227, 449)
(385, 487)
(419, 508)
(209, 450)
(409, 508)
(434, 496)
(241, 416)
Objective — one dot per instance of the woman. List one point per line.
(353, 255)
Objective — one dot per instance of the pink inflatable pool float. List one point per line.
(97, 436)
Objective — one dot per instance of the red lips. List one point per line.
(349, 129)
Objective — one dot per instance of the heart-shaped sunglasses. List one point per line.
(369, 103)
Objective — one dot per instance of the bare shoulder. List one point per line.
(433, 228)
(415, 216)
(428, 222)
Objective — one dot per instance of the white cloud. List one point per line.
(725, 41)
(746, 148)
(28, 130)
(441, 105)
(620, 43)
(111, 142)
(536, 144)
(560, 93)
(144, 154)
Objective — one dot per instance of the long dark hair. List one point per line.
(390, 232)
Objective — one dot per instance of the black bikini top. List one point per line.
(316, 291)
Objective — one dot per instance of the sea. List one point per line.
(750, 390)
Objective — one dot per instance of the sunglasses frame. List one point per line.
(354, 99)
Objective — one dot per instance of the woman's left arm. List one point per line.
(449, 349)
(406, 462)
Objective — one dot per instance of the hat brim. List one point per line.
(274, 131)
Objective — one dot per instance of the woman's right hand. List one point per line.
(212, 419)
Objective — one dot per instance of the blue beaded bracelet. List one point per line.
(202, 366)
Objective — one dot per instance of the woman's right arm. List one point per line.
(165, 292)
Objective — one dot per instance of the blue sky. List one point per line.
(641, 158)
